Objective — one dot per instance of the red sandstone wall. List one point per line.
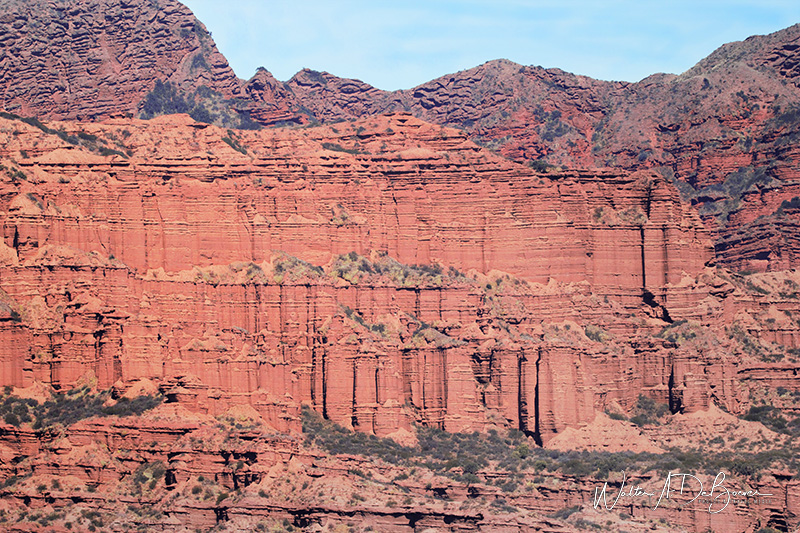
(160, 266)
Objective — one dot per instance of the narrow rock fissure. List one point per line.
(537, 435)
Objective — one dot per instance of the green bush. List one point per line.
(773, 418)
(67, 408)
(234, 143)
(648, 411)
(566, 512)
(334, 147)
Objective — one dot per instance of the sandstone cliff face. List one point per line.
(100, 248)
(725, 131)
(386, 272)
(95, 58)
(289, 253)
(726, 128)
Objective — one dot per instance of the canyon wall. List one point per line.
(280, 267)
(725, 131)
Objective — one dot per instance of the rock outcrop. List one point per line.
(387, 271)
(725, 131)
(100, 248)
(96, 58)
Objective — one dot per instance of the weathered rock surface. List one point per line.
(263, 270)
(726, 130)
(100, 249)
(386, 272)
(96, 58)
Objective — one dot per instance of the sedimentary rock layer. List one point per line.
(726, 130)
(192, 256)
(97, 58)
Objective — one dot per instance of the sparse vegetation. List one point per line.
(540, 165)
(232, 141)
(64, 409)
(596, 333)
(203, 105)
(84, 139)
(165, 99)
(464, 456)
(379, 329)
(648, 411)
(553, 127)
(353, 267)
(334, 147)
(774, 419)
(679, 332)
(289, 266)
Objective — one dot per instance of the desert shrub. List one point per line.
(164, 99)
(67, 408)
(794, 203)
(772, 418)
(791, 115)
(379, 329)
(679, 332)
(136, 406)
(463, 456)
(648, 411)
(553, 127)
(234, 143)
(596, 333)
(334, 147)
(540, 165)
(288, 265)
(566, 512)
(17, 174)
(105, 151)
(87, 136)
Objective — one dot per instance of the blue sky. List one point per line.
(398, 45)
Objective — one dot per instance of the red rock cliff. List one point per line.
(272, 268)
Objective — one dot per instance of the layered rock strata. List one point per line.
(97, 58)
(236, 227)
(726, 130)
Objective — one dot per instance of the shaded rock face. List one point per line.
(96, 58)
(276, 267)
